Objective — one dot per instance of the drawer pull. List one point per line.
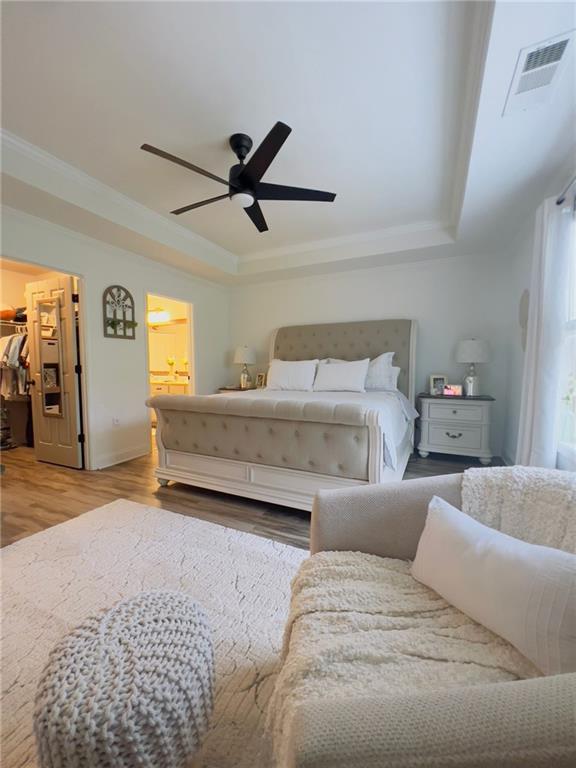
(454, 412)
(454, 437)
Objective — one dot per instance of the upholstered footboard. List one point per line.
(282, 452)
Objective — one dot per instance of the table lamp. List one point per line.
(245, 356)
(472, 351)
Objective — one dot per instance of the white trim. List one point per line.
(26, 218)
(371, 239)
(32, 165)
(420, 235)
(117, 457)
(481, 25)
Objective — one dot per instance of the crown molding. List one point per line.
(32, 165)
(482, 17)
(349, 248)
(17, 217)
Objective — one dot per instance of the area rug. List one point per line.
(54, 579)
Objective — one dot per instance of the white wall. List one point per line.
(520, 266)
(117, 370)
(451, 298)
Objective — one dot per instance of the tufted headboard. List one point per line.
(352, 341)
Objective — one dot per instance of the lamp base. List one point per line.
(245, 378)
(471, 383)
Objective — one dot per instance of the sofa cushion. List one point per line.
(360, 625)
(524, 592)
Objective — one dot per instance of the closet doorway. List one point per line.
(40, 364)
(170, 347)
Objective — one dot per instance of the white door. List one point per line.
(53, 362)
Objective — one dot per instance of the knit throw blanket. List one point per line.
(532, 504)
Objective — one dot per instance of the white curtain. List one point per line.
(545, 343)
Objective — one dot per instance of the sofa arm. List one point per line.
(385, 520)
(525, 724)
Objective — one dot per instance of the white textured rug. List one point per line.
(54, 579)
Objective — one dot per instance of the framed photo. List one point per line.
(437, 383)
(260, 380)
(453, 389)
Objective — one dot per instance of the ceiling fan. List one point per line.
(245, 187)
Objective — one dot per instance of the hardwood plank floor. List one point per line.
(36, 496)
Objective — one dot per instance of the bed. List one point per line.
(282, 447)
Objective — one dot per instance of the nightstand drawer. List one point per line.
(456, 412)
(448, 436)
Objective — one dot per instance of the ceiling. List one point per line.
(378, 96)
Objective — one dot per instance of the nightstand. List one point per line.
(234, 389)
(455, 425)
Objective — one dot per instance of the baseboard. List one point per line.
(110, 459)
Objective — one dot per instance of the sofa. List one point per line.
(379, 671)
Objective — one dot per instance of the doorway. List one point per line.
(40, 364)
(170, 347)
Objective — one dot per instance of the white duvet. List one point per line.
(394, 409)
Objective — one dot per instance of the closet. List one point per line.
(40, 371)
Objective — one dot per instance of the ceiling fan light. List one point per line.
(243, 199)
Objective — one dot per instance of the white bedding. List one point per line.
(395, 410)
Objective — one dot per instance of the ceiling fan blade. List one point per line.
(255, 213)
(184, 163)
(262, 157)
(185, 208)
(280, 192)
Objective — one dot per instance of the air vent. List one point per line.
(537, 70)
(543, 56)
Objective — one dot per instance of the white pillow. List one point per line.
(523, 592)
(342, 377)
(291, 374)
(386, 381)
(379, 372)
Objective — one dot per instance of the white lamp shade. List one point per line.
(244, 356)
(472, 351)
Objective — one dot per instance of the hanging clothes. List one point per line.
(14, 365)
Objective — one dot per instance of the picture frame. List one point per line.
(437, 383)
(453, 390)
(260, 380)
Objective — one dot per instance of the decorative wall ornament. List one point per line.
(118, 313)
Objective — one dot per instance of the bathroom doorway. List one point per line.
(170, 347)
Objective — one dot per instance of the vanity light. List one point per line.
(158, 317)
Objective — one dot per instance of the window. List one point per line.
(567, 410)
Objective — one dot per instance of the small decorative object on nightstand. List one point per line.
(472, 351)
(245, 356)
(455, 425)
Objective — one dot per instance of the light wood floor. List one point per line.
(36, 496)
